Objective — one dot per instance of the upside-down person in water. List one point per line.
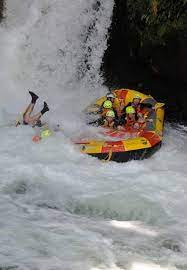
(33, 120)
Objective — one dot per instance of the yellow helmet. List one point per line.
(107, 104)
(110, 114)
(137, 96)
(46, 133)
(130, 109)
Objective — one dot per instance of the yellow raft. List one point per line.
(139, 144)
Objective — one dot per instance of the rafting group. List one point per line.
(132, 121)
(114, 114)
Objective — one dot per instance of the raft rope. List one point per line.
(108, 157)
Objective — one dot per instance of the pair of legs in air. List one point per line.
(35, 119)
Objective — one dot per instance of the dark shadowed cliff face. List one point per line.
(1, 9)
(147, 50)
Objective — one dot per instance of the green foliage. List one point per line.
(156, 21)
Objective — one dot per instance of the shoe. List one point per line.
(33, 96)
(45, 108)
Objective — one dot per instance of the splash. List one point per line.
(53, 48)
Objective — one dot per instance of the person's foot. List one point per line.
(33, 96)
(45, 108)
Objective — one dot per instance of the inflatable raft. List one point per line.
(126, 145)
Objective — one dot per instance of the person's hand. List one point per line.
(119, 128)
(141, 120)
(140, 115)
(136, 126)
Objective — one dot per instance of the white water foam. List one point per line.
(60, 209)
(55, 49)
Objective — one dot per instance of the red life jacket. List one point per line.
(129, 122)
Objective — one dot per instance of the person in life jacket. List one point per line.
(142, 109)
(130, 119)
(116, 106)
(108, 105)
(111, 97)
(137, 105)
(33, 120)
(110, 121)
(116, 103)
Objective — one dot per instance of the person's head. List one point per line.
(110, 115)
(130, 112)
(107, 104)
(110, 96)
(136, 99)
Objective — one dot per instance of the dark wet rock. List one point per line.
(147, 51)
(1, 9)
(172, 245)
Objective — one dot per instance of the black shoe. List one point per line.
(45, 108)
(33, 96)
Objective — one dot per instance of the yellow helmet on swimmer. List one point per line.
(110, 114)
(46, 133)
(137, 96)
(107, 104)
(130, 109)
